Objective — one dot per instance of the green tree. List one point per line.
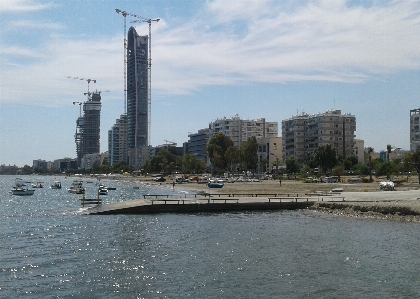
(218, 145)
(325, 156)
(387, 168)
(350, 162)
(249, 156)
(338, 170)
(164, 161)
(189, 163)
(232, 157)
(292, 165)
(362, 169)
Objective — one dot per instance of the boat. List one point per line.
(56, 185)
(21, 189)
(215, 184)
(103, 191)
(76, 187)
(38, 185)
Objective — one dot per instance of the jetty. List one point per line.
(151, 204)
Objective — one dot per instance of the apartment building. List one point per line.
(239, 130)
(117, 141)
(303, 134)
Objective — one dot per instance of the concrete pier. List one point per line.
(194, 205)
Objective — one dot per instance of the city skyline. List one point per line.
(211, 59)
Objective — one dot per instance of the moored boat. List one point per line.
(38, 185)
(56, 185)
(215, 184)
(21, 189)
(76, 187)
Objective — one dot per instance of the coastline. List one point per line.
(363, 200)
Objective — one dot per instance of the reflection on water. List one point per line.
(47, 249)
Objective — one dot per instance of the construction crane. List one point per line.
(83, 79)
(80, 107)
(125, 14)
(149, 68)
(170, 142)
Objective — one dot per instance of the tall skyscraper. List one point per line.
(137, 97)
(88, 127)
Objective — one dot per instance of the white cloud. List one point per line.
(28, 24)
(22, 6)
(316, 41)
(321, 40)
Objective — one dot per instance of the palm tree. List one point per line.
(370, 150)
(388, 149)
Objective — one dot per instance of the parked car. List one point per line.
(159, 179)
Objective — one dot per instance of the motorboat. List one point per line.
(21, 189)
(215, 184)
(76, 187)
(56, 185)
(38, 185)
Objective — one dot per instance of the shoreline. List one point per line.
(362, 200)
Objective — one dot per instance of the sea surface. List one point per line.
(48, 249)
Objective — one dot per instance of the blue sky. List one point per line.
(211, 59)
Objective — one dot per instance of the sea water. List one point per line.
(49, 249)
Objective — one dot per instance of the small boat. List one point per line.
(76, 187)
(56, 185)
(38, 185)
(21, 189)
(103, 191)
(215, 184)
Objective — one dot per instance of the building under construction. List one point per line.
(87, 135)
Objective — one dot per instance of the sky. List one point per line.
(211, 59)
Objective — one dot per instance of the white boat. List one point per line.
(76, 187)
(38, 185)
(56, 185)
(21, 189)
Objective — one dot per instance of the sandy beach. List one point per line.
(360, 200)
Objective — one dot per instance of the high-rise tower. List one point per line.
(88, 127)
(137, 97)
(414, 129)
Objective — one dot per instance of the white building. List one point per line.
(239, 130)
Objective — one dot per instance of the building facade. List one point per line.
(239, 130)
(197, 144)
(269, 154)
(87, 135)
(137, 97)
(303, 134)
(414, 129)
(117, 141)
